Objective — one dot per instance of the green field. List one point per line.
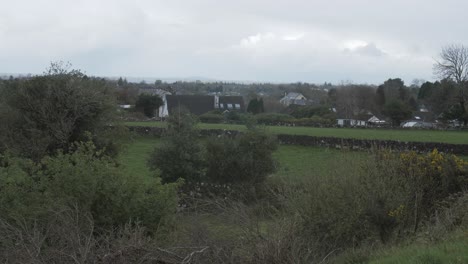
(294, 162)
(454, 137)
(135, 156)
(299, 162)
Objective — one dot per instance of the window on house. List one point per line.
(229, 106)
(237, 106)
(221, 105)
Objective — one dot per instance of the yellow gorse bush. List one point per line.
(434, 161)
(427, 179)
(461, 164)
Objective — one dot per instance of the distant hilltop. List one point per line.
(142, 79)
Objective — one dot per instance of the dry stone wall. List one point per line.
(331, 142)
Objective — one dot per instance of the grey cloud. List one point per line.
(264, 40)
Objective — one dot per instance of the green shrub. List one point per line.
(84, 179)
(43, 114)
(384, 198)
(181, 154)
(430, 179)
(315, 121)
(148, 104)
(273, 118)
(255, 106)
(211, 118)
(310, 111)
(246, 159)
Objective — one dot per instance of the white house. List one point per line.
(293, 98)
(374, 120)
(361, 120)
(351, 122)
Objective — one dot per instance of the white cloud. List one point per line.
(363, 48)
(256, 39)
(293, 37)
(354, 44)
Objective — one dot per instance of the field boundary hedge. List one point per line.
(329, 142)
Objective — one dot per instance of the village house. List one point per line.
(293, 98)
(359, 120)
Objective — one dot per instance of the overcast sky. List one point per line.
(363, 41)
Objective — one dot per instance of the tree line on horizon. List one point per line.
(445, 99)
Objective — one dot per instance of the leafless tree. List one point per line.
(453, 64)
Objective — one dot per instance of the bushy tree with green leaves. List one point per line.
(45, 113)
(309, 111)
(181, 154)
(148, 104)
(397, 111)
(245, 159)
(85, 179)
(255, 106)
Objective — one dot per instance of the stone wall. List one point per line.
(330, 142)
(360, 144)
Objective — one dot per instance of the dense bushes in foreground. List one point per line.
(360, 207)
(84, 179)
(387, 199)
(44, 113)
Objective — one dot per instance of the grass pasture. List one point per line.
(294, 162)
(453, 137)
(297, 163)
(135, 156)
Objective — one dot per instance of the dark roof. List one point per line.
(361, 117)
(344, 115)
(233, 100)
(196, 104)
